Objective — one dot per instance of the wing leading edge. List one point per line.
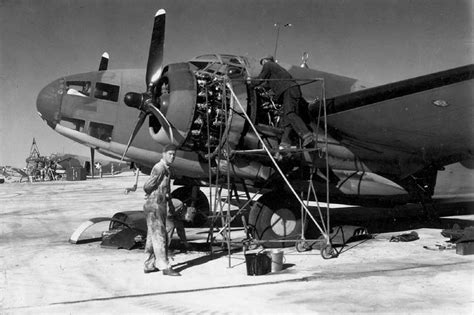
(427, 119)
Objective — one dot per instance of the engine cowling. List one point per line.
(200, 106)
(177, 91)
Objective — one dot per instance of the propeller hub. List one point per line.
(135, 100)
(141, 101)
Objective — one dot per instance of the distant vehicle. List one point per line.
(13, 174)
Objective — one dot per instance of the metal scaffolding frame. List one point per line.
(217, 206)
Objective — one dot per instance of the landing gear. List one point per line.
(276, 217)
(421, 187)
(193, 197)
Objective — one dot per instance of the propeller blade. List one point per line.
(171, 131)
(155, 56)
(163, 121)
(104, 62)
(141, 119)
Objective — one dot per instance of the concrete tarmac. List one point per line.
(42, 273)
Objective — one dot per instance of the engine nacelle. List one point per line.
(200, 106)
(198, 102)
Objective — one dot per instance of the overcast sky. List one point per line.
(373, 40)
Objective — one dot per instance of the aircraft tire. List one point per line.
(276, 216)
(202, 205)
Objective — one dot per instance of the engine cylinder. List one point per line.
(216, 122)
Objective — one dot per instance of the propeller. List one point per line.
(145, 102)
(163, 121)
(104, 63)
(141, 119)
(155, 55)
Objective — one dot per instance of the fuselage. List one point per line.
(89, 108)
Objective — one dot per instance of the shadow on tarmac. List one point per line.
(204, 259)
(400, 218)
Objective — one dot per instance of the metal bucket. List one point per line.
(258, 264)
(277, 259)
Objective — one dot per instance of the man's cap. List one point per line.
(169, 147)
(267, 57)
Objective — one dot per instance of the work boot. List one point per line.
(308, 139)
(171, 272)
(149, 265)
(150, 270)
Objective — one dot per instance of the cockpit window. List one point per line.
(225, 59)
(207, 58)
(202, 61)
(83, 88)
(231, 65)
(230, 59)
(101, 131)
(105, 91)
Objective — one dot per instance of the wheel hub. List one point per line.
(283, 222)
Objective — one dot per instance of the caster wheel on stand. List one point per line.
(328, 252)
(302, 246)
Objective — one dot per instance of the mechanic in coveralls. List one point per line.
(157, 208)
(288, 92)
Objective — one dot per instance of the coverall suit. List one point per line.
(288, 93)
(157, 188)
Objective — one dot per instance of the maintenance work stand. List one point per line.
(221, 207)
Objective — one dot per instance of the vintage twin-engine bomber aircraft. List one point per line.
(384, 143)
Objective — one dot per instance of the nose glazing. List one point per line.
(48, 102)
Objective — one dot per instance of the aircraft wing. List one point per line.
(427, 118)
(19, 171)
